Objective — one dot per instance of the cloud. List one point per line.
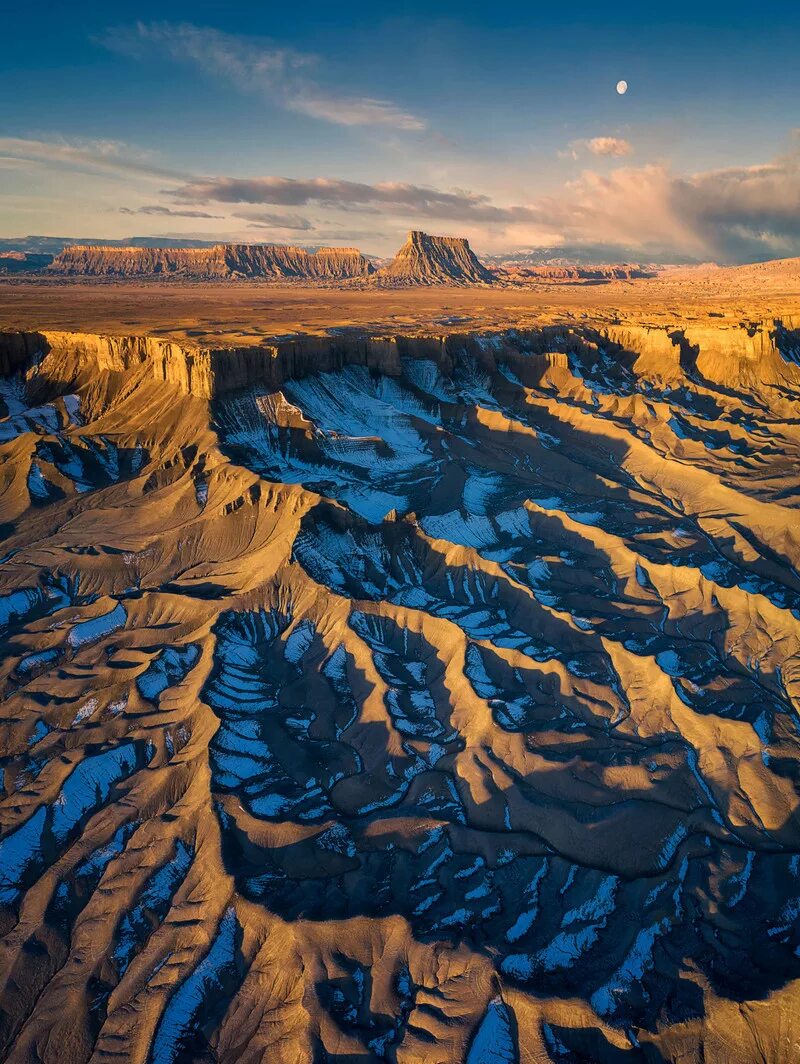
(614, 146)
(392, 196)
(282, 74)
(155, 209)
(744, 209)
(630, 205)
(108, 156)
(278, 221)
(12, 162)
(738, 214)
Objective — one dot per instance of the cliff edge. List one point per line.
(425, 259)
(224, 261)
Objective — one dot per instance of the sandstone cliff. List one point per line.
(425, 259)
(220, 261)
(762, 356)
(23, 262)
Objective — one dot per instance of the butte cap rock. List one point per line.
(425, 259)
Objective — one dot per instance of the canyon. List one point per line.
(415, 691)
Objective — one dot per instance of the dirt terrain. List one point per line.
(405, 676)
(248, 312)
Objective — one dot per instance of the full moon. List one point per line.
(622, 87)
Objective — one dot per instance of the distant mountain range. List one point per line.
(422, 260)
(54, 245)
(587, 255)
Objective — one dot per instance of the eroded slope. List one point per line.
(222, 261)
(441, 706)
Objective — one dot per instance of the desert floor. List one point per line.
(244, 312)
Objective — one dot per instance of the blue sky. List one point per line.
(350, 123)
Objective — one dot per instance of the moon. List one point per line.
(622, 87)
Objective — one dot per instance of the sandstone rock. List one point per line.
(23, 262)
(220, 261)
(425, 259)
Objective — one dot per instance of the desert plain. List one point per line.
(250, 311)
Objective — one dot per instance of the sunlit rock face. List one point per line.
(425, 259)
(401, 699)
(422, 260)
(220, 262)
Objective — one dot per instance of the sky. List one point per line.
(349, 123)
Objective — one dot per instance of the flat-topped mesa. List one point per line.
(220, 261)
(277, 260)
(425, 259)
(23, 262)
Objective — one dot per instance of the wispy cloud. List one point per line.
(614, 147)
(284, 75)
(278, 221)
(155, 209)
(109, 156)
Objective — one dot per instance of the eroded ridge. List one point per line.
(441, 705)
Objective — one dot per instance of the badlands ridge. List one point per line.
(422, 260)
(220, 261)
(402, 696)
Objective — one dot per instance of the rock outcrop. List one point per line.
(23, 262)
(222, 261)
(425, 259)
(763, 355)
(574, 274)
